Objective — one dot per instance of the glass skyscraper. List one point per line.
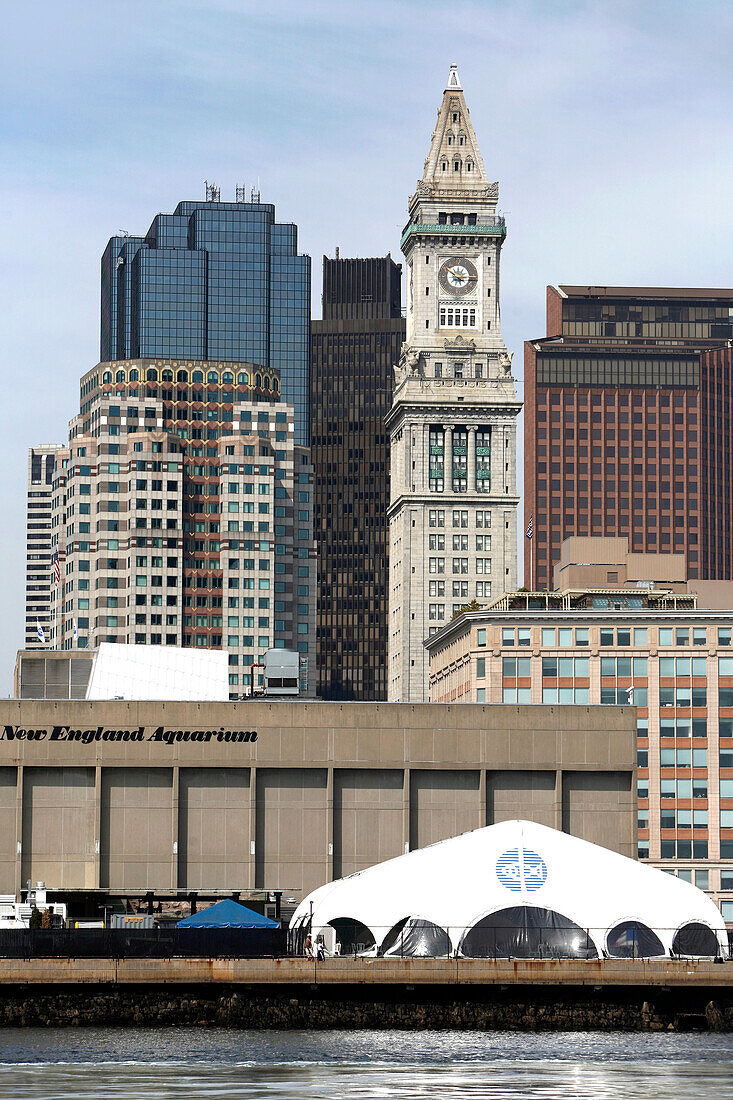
(213, 281)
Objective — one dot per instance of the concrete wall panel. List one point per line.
(442, 804)
(137, 828)
(213, 829)
(591, 805)
(367, 818)
(292, 839)
(58, 827)
(529, 794)
(8, 839)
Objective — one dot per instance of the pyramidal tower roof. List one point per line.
(454, 162)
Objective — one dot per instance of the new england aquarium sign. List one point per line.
(89, 736)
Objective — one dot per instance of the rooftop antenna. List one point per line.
(123, 233)
(213, 193)
(241, 193)
(255, 194)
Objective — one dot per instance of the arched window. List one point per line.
(120, 376)
(276, 385)
(456, 165)
(267, 383)
(352, 935)
(469, 166)
(527, 932)
(152, 375)
(258, 381)
(198, 376)
(227, 378)
(450, 139)
(167, 376)
(107, 376)
(461, 139)
(633, 940)
(182, 376)
(212, 376)
(243, 378)
(444, 166)
(134, 375)
(694, 939)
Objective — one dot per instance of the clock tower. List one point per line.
(452, 425)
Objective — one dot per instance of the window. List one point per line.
(436, 565)
(460, 518)
(481, 640)
(480, 668)
(581, 636)
(507, 635)
(640, 636)
(666, 636)
(724, 635)
(699, 636)
(548, 636)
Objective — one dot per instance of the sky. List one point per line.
(609, 126)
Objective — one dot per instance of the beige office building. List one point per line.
(655, 648)
(182, 515)
(122, 797)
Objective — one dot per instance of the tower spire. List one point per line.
(454, 81)
(454, 162)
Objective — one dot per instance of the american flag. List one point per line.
(56, 569)
(529, 527)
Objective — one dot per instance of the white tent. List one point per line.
(515, 889)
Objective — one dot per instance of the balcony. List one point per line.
(497, 229)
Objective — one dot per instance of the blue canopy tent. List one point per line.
(228, 914)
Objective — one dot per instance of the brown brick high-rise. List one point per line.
(627, 420)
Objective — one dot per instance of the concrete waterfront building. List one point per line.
(656, 648)
(220, 281)
(452, 425)
(353, 352)
(115, 799)
(627, 425)
(182, 515)
(39, 570)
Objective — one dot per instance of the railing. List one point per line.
(497, 229)
(142, 943)
(418, 938)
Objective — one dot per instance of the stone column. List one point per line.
(447, 458)
(472, 459)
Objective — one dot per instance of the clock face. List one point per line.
(457, 276)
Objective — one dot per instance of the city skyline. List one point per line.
(316, 148)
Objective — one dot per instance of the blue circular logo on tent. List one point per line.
(521, 869)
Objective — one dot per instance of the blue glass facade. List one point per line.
(212, 281)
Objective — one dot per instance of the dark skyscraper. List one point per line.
(353, 352)
(627, 425)
(216, 281)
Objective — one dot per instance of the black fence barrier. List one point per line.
(142, 943)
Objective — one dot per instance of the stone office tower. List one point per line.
(452, 425)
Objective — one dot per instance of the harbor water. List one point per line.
(198, 1064)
